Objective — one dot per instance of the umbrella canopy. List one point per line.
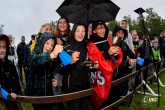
(80, 11)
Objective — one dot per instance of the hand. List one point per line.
(13, 95)
(58, 49)
(114, 50)
(75, 57)
(96, 65)
(132, 62)
(54, 82)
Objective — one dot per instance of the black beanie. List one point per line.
(117, 29)
(96, 23)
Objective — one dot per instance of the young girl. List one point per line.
(41, 77)
(8, 75)
(75, 76)
(99, 49)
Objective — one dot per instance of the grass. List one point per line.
(137, 101)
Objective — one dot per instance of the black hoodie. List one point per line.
(8, 75)
(75, 75)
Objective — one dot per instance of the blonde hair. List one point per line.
(133, 31)
(44, 25)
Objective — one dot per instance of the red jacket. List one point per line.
(102, 78)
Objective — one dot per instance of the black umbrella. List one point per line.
(80, 11)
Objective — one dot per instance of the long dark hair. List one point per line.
(58, 32)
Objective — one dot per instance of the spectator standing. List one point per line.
(28, 50)
(128, 38)
(12, 51)
(8, 75)
(75, 75)
(21, 52)
(42, 62)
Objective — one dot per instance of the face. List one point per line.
(48, 29)
(134, 35)
(48, 46)
(10, 39)
(124, 24)
(110, 34)
(163, 33)
(2, 50)
(62, 25)
(23, 39)
(90, 29)
(100, 30)
(79, 33)
(120, 34)
(155, 45)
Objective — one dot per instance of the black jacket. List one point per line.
(127, 52)
(8, 77)
(75, 76)
(20, 51)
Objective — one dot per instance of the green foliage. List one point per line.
(111, 24)
(153, 22)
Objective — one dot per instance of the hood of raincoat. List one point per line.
(40, 43)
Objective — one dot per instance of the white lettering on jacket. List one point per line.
(97, 77)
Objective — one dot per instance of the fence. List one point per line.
(76, 95)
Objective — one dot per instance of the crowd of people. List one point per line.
(45, 74)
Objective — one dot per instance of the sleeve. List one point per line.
(130, 52)
(18, 50)
(106, 55)
(130, 42)
(27, 52)
(40, 59)
(159, 55)
(16, 56)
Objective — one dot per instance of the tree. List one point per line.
(111, 24)
(153, 22)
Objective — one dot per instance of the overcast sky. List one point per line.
(24, 17)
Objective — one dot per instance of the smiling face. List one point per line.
(120, 34)
(79, 33)
(2, 50)
(100, 30)
(48, 46)
(134, 35)
(124, 24)
(62, 25)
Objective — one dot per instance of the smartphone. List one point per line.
(88, 63)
